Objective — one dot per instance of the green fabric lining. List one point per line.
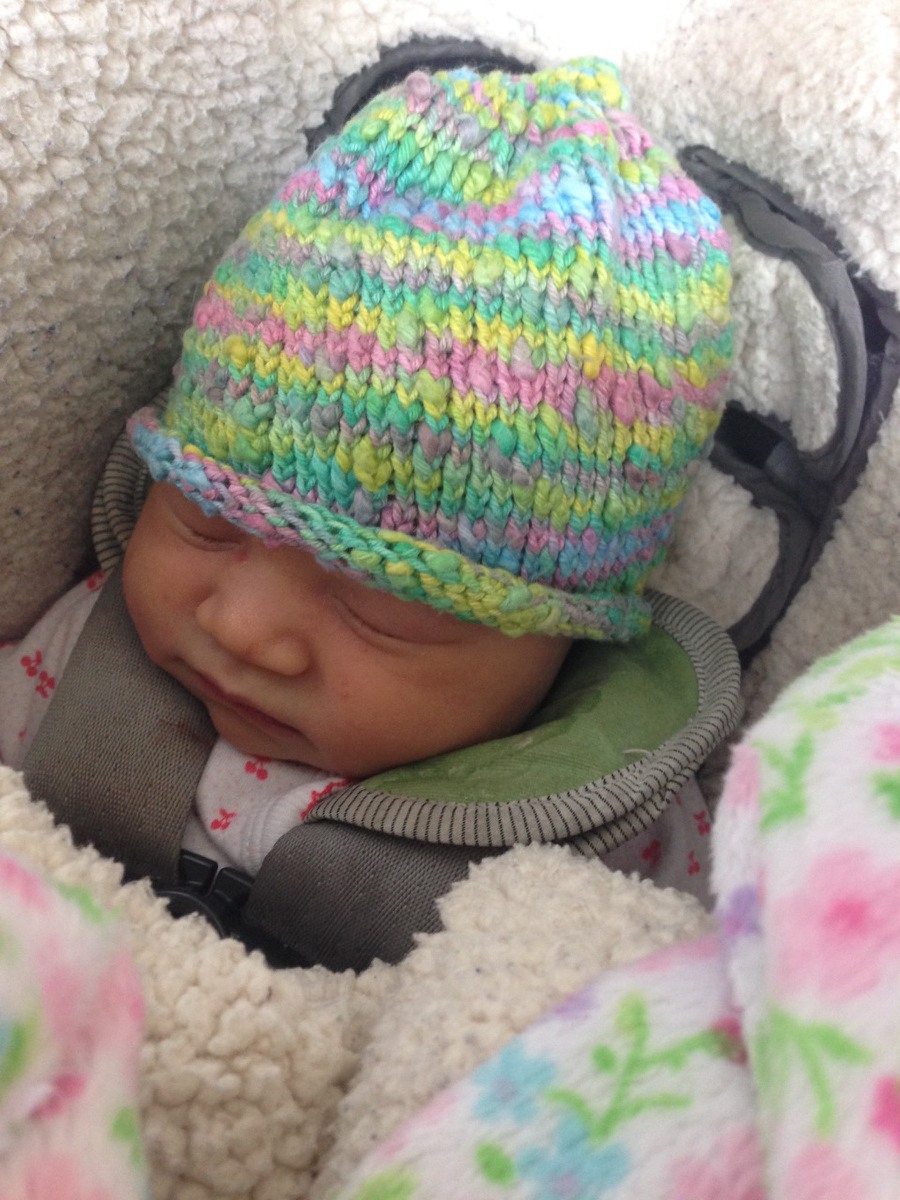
(610, 705)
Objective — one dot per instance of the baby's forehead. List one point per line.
(414, 619)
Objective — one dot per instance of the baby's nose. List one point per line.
(259, 616)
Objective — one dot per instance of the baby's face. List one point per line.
(294, 661)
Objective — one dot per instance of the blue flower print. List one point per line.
(510, 1083)
(573, 1169)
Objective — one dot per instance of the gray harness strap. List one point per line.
(118, 758)
(341, 896)
(121, 750)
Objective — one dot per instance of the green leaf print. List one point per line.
(848, 674)
(90, 909)
(786, 800)
(603, 1059)
(631, 1018)
(887, 786)
(783, 1044)
(17, 1042)
(495, 1164)
(821, 714)
(397, 1184)
(629, 1068)
(881, 644)
(126, 1128)
(863, 668)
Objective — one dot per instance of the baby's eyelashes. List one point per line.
(201, 530)
(379, 614)
(375, 615)
(214, 540)
(377, 621)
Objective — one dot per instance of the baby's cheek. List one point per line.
(153, 625)
(346, 689)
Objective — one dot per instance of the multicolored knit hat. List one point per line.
(468, 352)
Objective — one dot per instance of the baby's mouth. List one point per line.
(210, 691)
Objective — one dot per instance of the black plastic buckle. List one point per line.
(202, 887)
(220, 895)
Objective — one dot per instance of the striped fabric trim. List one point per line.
(117, 502)
(604, 813)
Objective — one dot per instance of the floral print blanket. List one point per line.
(71, 1022)
(762, 1061)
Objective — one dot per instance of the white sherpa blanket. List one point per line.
(759, 1059)
(254, 1082)
(134, 142)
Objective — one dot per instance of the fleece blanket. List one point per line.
(271, 1085)
(760, 1061)
(134, 142)
(70, 1031)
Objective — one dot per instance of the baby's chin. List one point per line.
(290, 748)
(262, 737)
(259, 736)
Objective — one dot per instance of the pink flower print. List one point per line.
(693, 865)
(886, 1108)
(118, 1016)
(63, 988)
(94, 582)
(64, 1090)
(28, 887)
(887, 742)
(820, 1173)
(223, 820)
(742, 783)
(257, 767)
(841, 928)
(702, 819)
(652, 853)
(680, 954)
(732, 1167)
(45, 684)
(119, 990)
(63, 1177)
(32, 665)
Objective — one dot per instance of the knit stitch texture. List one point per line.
(470, 352)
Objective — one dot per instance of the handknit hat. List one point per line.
(468, 352)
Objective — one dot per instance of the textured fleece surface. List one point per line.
(808, 96)
(271, 1085)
